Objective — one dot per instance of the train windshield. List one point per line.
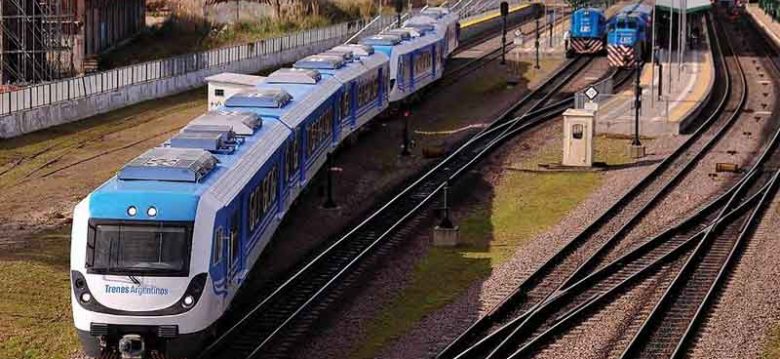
(148, 248)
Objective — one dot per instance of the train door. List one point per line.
(234, 255)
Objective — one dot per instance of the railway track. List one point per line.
(596, 243)
(702, 249)
(276, 322)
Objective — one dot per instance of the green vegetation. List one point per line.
(772, 345)
(35, 317)
(521, 206)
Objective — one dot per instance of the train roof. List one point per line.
(595, 10)
(171, 177)
(358, 50)
(381, 40)
(344, 72)
(305, 95)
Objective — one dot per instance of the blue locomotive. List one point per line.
(159, 251)
(628, 35)
(587, 31)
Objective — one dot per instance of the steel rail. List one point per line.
(252, 334)
(701, 266)
(533, 320)
(472, 340)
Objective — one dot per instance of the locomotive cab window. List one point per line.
(219, 242)
(234, 240)
(139, 248)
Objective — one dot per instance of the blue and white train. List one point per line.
(159, 251)
(628, 35)
(587, 31)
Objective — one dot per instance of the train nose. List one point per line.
(131, 346)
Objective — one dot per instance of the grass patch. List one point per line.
(521, 205)
(772, 345)
(35, 316)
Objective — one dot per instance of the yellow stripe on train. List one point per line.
(491, 15)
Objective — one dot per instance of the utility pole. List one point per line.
(238, 11)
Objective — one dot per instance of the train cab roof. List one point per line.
(421, 23)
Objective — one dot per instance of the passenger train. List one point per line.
(159, 251)
(628, 35)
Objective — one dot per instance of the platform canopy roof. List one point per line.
(690, 6)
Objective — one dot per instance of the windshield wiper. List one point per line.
(134, 279)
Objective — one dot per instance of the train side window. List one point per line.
(219, 92)
(234, 238)
(576, 131)
(219, 242)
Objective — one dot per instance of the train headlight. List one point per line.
(132, 211)
(86, 297)
(188, 301)
(151, 212)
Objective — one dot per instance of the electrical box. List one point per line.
(578, 131)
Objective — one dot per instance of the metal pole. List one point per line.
(551, 29)
(669, 55)
(653, 54)
(446, 222)
(660, 77)
(407, 141)
(536, 43)
(679, 39)
(637, 103)
(503, 40)
(329, 202)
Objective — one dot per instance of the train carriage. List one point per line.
(451, 27)
(414, 63)
(159, 251)
(364, 92)
(588, 26)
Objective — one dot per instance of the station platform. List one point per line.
(686, 86)
(770, 26)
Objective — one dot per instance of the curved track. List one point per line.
(702, 249)
(594, 244)
(276, 322)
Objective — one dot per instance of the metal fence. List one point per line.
(112, 80)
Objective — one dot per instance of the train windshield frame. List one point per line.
(142, 248)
